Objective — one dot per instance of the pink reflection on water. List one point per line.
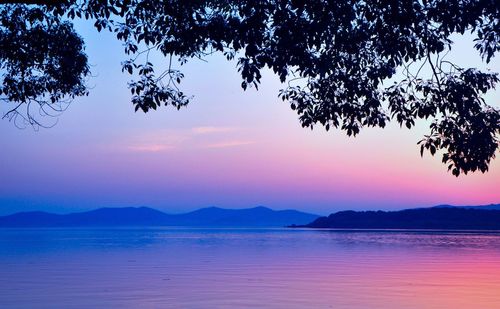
(238, 268)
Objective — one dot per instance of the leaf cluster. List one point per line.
(42, 62)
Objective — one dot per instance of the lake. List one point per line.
(248, 268)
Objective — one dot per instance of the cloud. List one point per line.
(184, 139)
(151, 148)
(230, 144)
(156, 141)
(211, 130)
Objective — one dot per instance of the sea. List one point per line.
(248, 268)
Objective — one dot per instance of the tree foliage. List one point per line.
(345, 54)
(42, 63)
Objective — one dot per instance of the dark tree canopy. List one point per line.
(42, 62)
(336, 59)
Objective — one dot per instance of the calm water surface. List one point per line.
(247, 268)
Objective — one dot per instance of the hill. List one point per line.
(455, 218)
(489, 207)
(144, 216)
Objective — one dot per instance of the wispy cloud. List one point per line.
(212, 129)
(182, 139)
(230, 144)
(151, 148)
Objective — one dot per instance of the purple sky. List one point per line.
(228, 148)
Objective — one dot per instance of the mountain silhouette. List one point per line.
(144, 216)
(490, 207)
(455, 218)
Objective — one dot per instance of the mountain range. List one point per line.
(144, 216)
(485, 217)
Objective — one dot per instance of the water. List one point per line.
(247, 268)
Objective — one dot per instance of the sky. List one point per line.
(229, 148)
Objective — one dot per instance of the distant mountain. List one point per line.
(490, 207)
(456, 218)
(144, 216)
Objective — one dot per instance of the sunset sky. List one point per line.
(228, 148)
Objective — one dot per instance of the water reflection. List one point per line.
(228, 268)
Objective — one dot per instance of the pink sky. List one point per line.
(228, 148)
